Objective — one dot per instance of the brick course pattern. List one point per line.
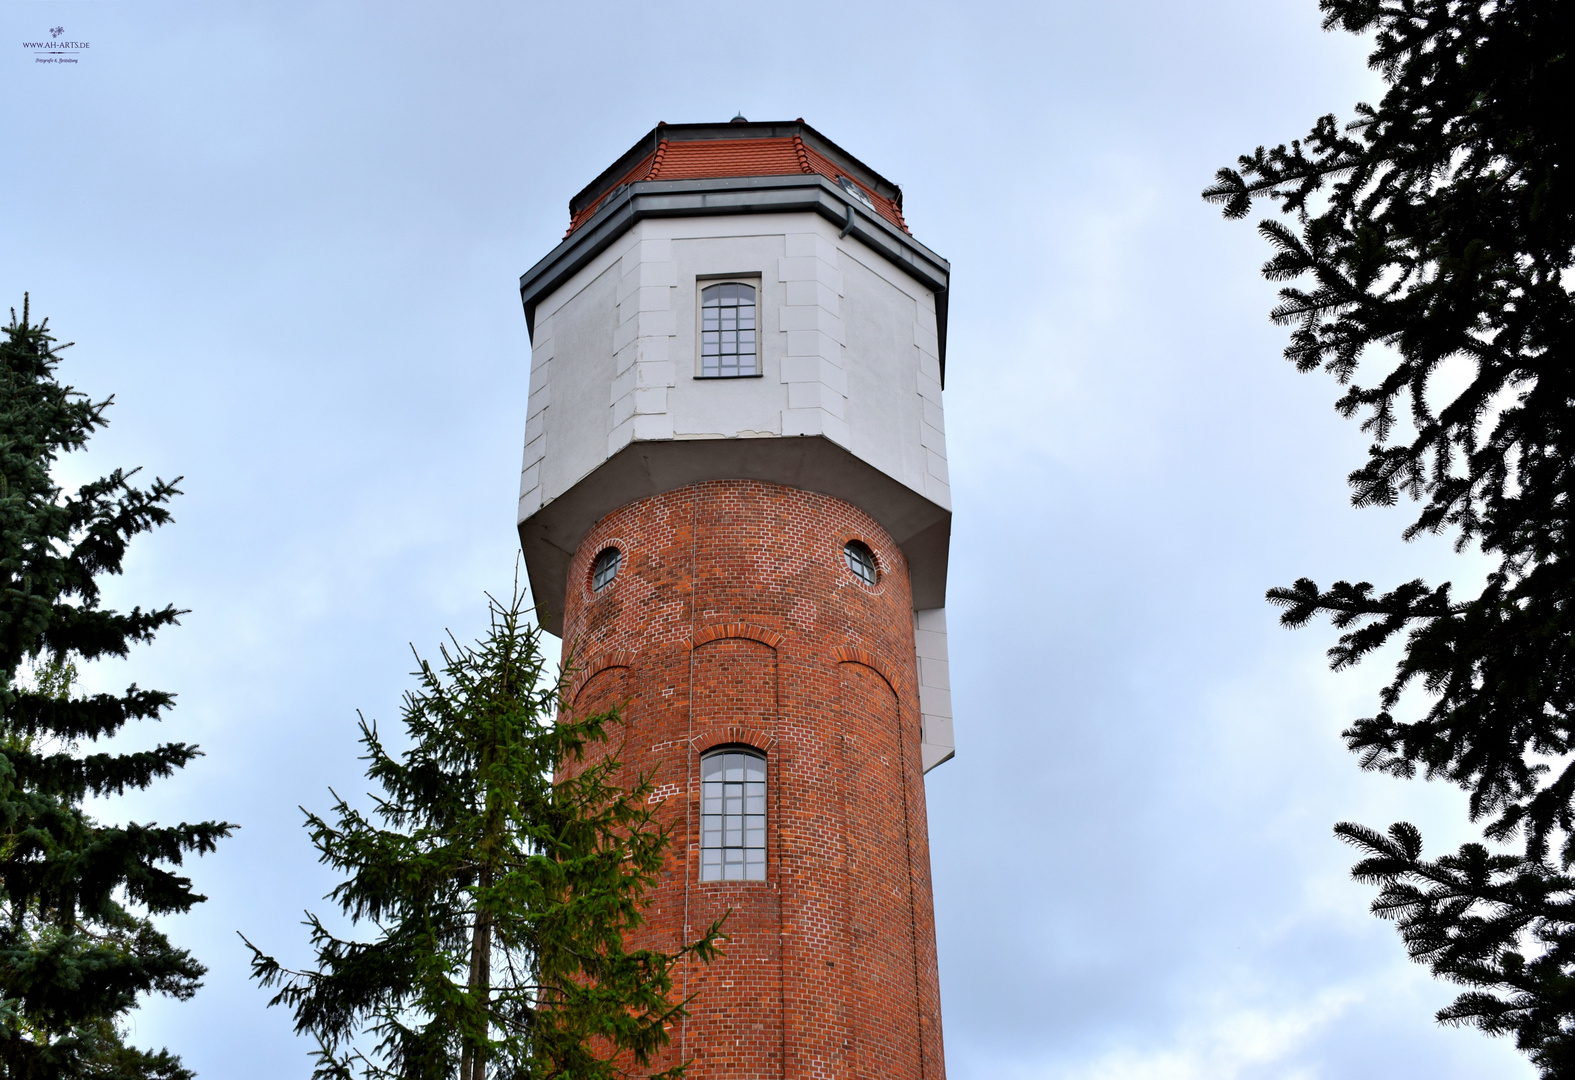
(735, 621)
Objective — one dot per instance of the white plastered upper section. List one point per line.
(848, 351)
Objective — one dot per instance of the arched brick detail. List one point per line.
(594, 667)
(737, 630)
(855, 655)
(728, 734)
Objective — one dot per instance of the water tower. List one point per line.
(734, 509)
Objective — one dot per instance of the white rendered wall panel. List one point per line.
(578, 420)
(726, 408)
(937, 743)
(884, 410)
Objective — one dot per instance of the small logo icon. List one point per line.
(56, 31)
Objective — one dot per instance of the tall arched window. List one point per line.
(727, 330)
(733, 816)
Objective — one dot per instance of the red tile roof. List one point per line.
(694, 160)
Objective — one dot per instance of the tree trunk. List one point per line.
(473, 1063)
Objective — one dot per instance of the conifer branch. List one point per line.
(1439, 226)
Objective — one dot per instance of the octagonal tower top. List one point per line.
(741, 167)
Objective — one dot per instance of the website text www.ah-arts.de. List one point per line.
(55, 49)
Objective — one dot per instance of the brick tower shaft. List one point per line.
(734, 621)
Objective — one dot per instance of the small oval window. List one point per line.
(861, 560)
(605, 568)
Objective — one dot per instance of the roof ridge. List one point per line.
(656, 160)
(803, 156)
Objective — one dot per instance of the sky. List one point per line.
(287, 238)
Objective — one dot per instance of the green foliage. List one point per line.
(502, 900)
(77, 945)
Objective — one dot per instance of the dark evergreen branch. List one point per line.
(1439, 225)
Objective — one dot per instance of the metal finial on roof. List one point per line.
(739, 119)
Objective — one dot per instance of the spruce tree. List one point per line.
(503, 868)
(77, 944)
(1438, 226)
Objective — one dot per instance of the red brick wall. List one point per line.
(734, 620)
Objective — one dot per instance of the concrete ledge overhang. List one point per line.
(737, 195)
(551, 535)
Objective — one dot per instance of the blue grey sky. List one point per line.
(288, 236)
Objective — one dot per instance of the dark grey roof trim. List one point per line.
(735, 195)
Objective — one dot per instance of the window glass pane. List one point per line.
(861, 560)
(727, 330)
(605, 568)
(733, 816)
